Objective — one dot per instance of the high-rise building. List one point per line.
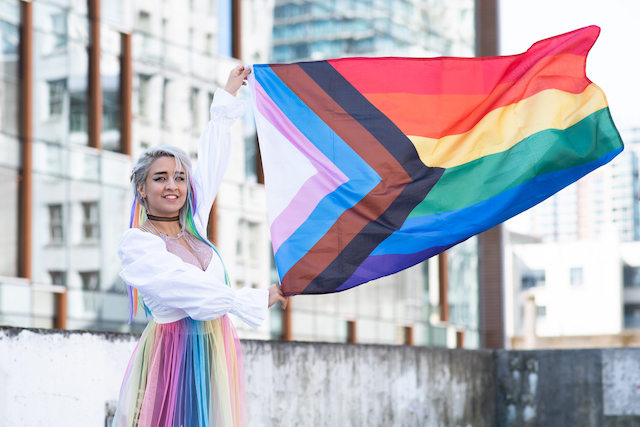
(606, 199)
(85, 87)
(312, 30)
(412, 306)
(581, 268)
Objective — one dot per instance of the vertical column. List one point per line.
(236, 29)
(26, 178)
(490, 242)
(352, 336)
(491, 283)
(487, 32)
(61, 310)
(95, 83)
(443, 272)
(408, 335)
(126, 91)
(287, 333)
(460, 339)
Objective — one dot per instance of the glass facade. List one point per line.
(604, 201)
(336, 28)
(110, 79)
(405, 307)
(10, 163)
(79, 194)
(61, 68)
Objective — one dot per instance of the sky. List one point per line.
(613, 63)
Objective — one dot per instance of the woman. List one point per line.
(187, 368)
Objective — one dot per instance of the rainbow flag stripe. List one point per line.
(373, 165)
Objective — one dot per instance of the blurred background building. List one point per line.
(86, 86)
(580, 268)
(419, 305)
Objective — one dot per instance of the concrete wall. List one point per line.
(61, 378)
(561, 388)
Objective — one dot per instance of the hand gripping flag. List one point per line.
(373, 165)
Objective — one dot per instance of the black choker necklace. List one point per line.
(163, 218)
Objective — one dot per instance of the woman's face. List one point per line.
(166, 187)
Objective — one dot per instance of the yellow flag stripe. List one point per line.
(504, 127)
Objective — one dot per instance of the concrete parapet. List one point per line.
(51, 377)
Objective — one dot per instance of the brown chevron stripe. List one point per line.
(374, 204)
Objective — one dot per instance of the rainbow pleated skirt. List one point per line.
(184, 374)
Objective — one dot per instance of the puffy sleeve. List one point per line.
(214, 149)
(167, 281)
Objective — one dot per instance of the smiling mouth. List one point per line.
(172, 197)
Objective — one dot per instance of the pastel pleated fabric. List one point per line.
(187, 373)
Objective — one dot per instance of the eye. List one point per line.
(160, 178)
(179, 178)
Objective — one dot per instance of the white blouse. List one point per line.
(173, 289)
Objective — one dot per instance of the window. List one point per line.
(78, 122)
(533, 278)
(193, 106)
(90, 220)
(59, 27)
(576, 276)
(56, 96)
(632, 315)
(240, 239)
(208, 45)
(541, 312)
(58, 278)
(143, 95)
(254, 241)
(251, 158)
(248, 243)
(631, 276)
(10, 38)
(144, 22)
(90, 280)
(165, 93)
(56, 230)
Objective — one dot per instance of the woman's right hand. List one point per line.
(276, 294)
(237, 78)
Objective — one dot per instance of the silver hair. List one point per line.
(141, 170)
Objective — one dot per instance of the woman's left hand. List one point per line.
(237, 79)
(276, 294)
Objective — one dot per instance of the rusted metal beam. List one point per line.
(487, 31)
(95, 82)
(352, 336)
(287, 329)
(126, 91)
(26, 137)
(443, 273)
(460, 339)
(61, 311)
(490, 283)
(408, 335)
(236, 29)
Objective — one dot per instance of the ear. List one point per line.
(141, 191)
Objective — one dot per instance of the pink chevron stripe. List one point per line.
(328, 178)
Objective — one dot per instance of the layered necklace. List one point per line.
(165, 219)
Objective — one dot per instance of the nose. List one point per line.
(171, 184)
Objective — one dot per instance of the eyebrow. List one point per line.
(165, 173)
